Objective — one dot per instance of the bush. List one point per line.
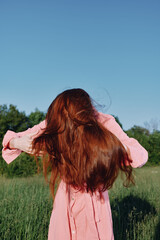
(24, 166)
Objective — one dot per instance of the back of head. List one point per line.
(79, 149)
(73, 104)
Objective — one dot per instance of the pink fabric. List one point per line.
(8, 154)
(76, 215)
(138, 154)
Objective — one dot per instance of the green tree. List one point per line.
(150, 141)
(141, 134)
(154, 148)
(12, 119)
(36, 117)
(24, 166)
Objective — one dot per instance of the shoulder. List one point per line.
(103, 118)
(109, 122)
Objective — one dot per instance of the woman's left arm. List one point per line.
(136, 152)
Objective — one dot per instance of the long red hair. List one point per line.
(76, 146)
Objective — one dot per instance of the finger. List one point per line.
(41, 153)
(30, 150)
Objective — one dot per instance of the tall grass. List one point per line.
(26, 205)
(25, 208)
(136, 210)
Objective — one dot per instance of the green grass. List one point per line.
(136, 210)
(26, 205)
(25, 208)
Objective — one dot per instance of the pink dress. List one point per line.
(76, 215)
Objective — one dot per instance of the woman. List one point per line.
(86, 150)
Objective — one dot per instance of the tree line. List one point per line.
(13, 119)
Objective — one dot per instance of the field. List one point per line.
(26, 205)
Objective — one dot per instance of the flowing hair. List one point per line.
(77, 148)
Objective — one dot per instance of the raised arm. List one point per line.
(12, 144)
(137, 153)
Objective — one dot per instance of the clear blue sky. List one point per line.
(99, 45)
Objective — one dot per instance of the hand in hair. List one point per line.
(23, 143)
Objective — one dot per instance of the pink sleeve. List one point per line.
(10, 154)
(138, 154)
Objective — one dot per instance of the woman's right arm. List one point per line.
(15, 143)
